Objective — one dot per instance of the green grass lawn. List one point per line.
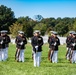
(11, 67)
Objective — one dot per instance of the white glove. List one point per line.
(73, 44)
(21, 43)
(36, 47)
(1, 42)
(55, 44)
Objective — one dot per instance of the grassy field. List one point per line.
(11, 67)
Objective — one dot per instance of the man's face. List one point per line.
(70, 34)
(21, 35)
(3, 34)
(36, 34)
(55, 35)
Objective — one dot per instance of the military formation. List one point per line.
(54, 42)
(20, 46)
(37, 43)
(4, 44)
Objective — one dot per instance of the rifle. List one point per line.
(71, 56)
(49, 53)
(18, 50)
(71, 53)
(17, 54)
(68, 52)
(52, 52)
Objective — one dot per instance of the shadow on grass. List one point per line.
(63, 60)
(28, 60)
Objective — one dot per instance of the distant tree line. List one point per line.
(28, 25)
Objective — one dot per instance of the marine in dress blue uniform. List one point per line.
(54, 42)
(20, 45)
(73, 48)
(37, 42)
(3, 44)
(7, 41)
(68, 44)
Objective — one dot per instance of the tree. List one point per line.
(26, 22)
(61, 28)
(27, 28)
(15, 28)
(74, 26)
(50, 22)
(42, 27)
(6, 17)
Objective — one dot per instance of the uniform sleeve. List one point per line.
(58, 41)
(41, 42)
(72, 41)
(25, 40)
(51, 41)
(8, 40)
(32, 43)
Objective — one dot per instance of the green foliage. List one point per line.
(27, 24)
(42, 27)
(6, 17)
(15, 28)
(61, 25)
(27, 28)
(74, 25)
(61, 29)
